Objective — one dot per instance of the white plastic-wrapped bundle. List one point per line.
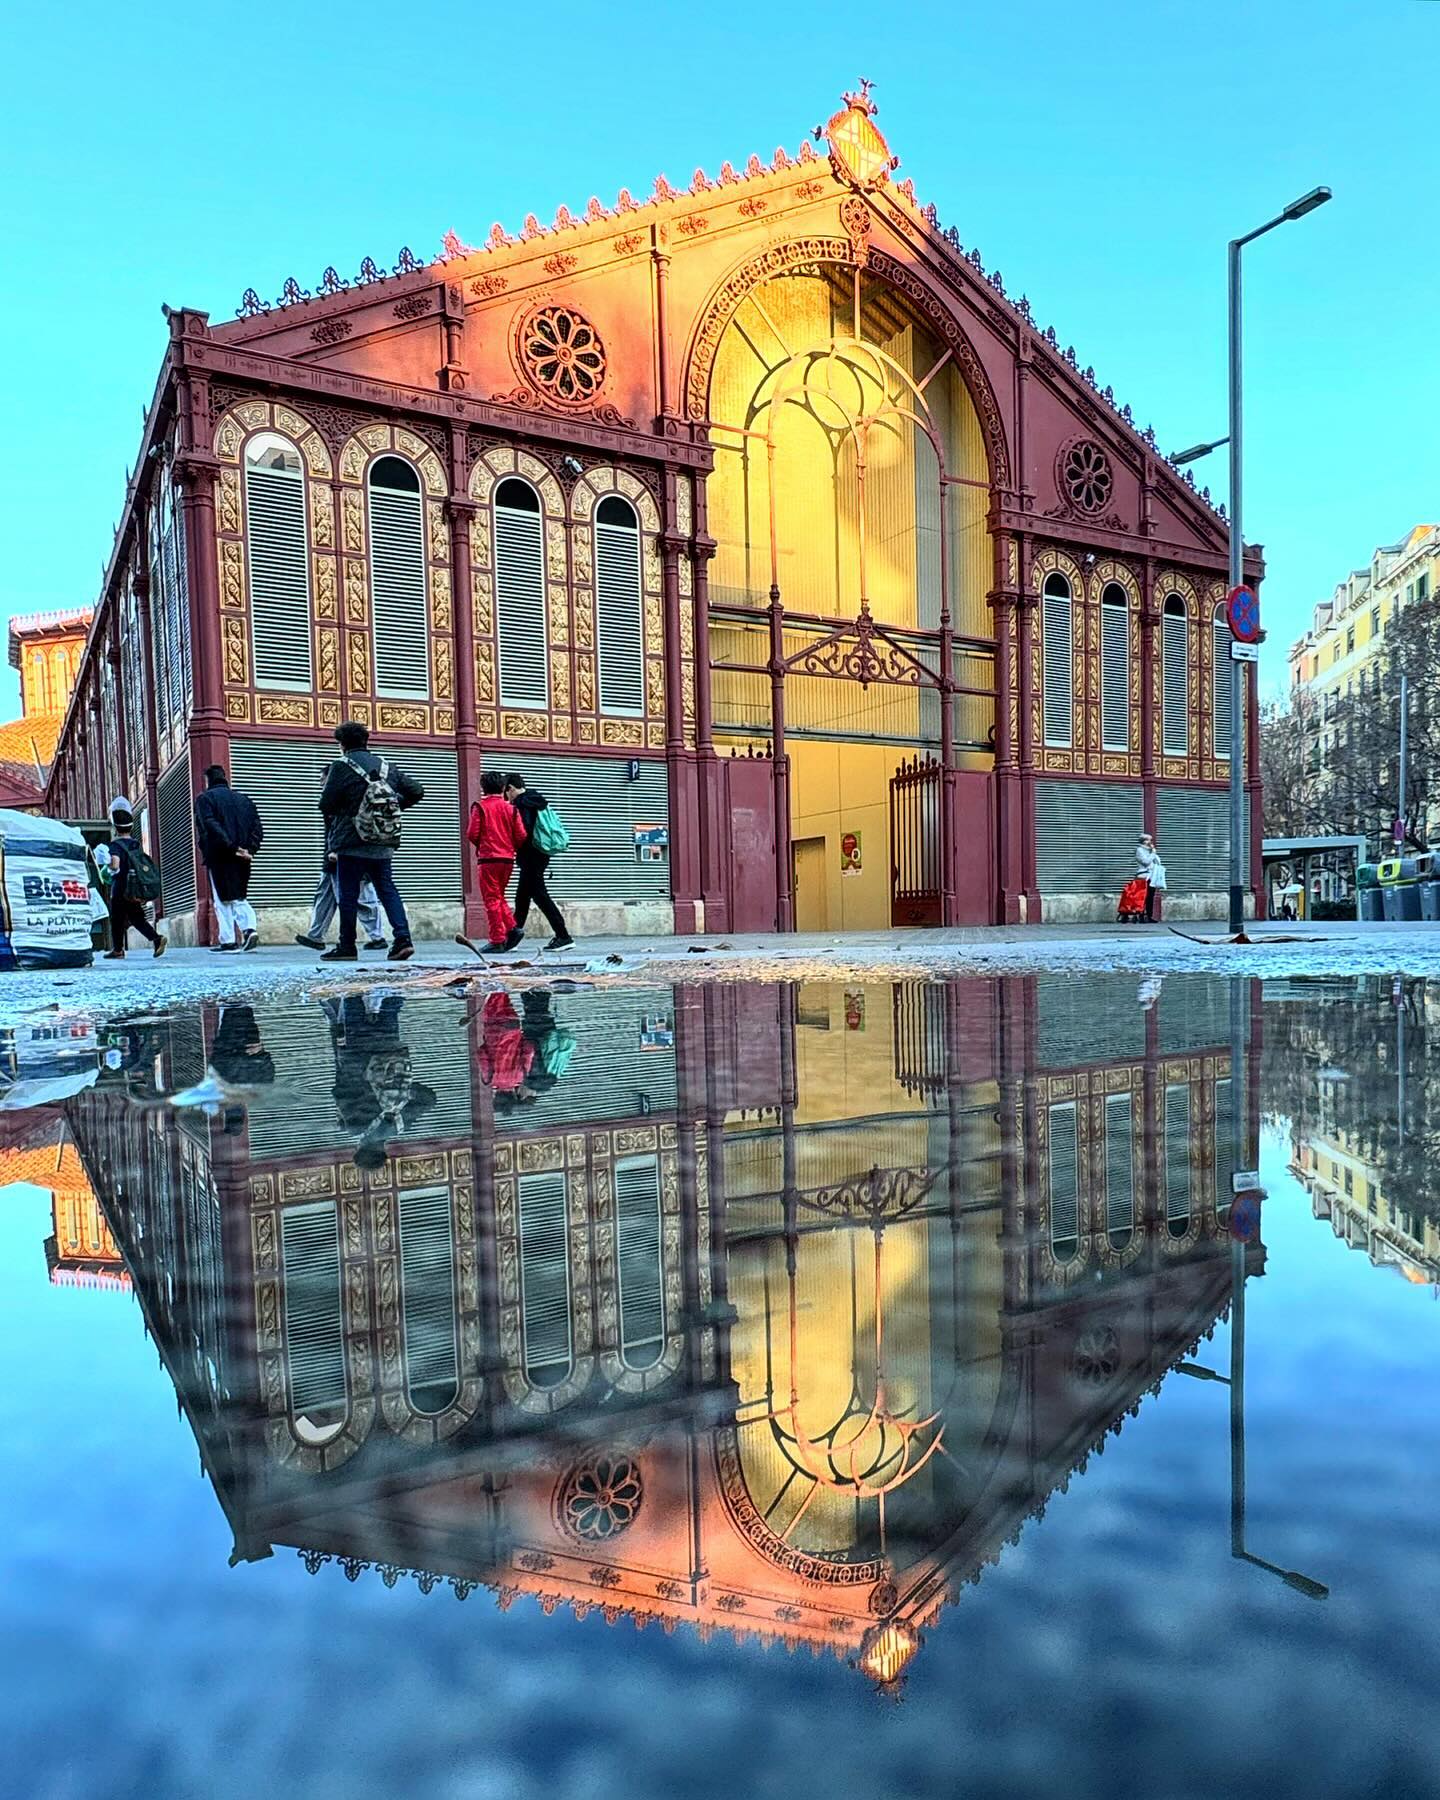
(45, 908)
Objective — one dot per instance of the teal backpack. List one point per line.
(556, 1051)
(550, 835)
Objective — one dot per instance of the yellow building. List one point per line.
(1346, 1188)
(46, 648)
(1343, 652)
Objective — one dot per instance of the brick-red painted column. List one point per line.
(460, 511)
(682, 778)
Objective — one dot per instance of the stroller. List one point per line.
(1131, 910)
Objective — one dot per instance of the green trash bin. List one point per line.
(1372, 905)
(1430, 901)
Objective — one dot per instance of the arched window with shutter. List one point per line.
(520, 596)
(1064, 1182)
(618, 617)
(1177, 1158)
(1057, 639)
(1174, 657)
(397, 580)
(314, 1323)
(547, 1348)
(1220, 659)
(639, 1247)
(1119, 1169)
(277, 554)
(427, 1299)
(1114, 668)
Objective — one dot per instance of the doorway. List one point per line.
(812, 901)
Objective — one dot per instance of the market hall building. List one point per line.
(809, 577)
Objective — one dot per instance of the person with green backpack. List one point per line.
(545, 837)
(134, 879)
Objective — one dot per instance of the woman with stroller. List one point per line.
(1150, 870)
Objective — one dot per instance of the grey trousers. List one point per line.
(327, 903)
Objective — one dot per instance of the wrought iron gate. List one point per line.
(916, 862)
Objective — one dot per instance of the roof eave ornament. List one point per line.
(859, 155)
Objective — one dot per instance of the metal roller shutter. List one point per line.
(1225, 1163)
(1221, 664)
(1192, 833)
(612, 1075)
(1085, 834)
(174, 806)
(1090, 1021)
(1194, 1012)
(601, 806)
(284, 778)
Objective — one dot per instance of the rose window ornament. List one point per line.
(1096, 1357)
(598, 1500)
(1087, 477)
(561, 354)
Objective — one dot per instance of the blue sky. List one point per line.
(1100, 156)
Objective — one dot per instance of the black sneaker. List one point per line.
(378, 944)
(515, 939)
(220, 949)
(401, 953)
(309, 942)
(339, 955)
(250, 939)
(560, 943)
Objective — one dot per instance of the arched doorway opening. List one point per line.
(849, 623)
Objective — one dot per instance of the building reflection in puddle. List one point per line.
(773, 1309)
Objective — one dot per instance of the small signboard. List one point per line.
(1242, 609)
(1242, 653)
(652, 843)
(657, 1032)
(1246, 1181)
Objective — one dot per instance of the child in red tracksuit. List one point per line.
(497, 832)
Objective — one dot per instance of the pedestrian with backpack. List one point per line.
(134, 879)
(545, 836)
(361, 802)
(497, 833)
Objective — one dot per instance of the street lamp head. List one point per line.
(1195, 452)
(1302, 1584)
(1307, 203)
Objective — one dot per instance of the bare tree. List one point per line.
(1360, 789)
(1293, 805)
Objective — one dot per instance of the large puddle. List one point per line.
(639, 1392)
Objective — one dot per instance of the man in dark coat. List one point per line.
(228, 832)
(358, 858)
(532, 863)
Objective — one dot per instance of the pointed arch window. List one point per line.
(1114, 667)
(1057, 638)
(1175, 659)
(1177, 1158)
(397, 580)
(1220, 681)
(1119, 1169)
(277, 553)
(618, 618)
(520, 596)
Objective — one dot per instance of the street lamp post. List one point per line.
(1297, 209)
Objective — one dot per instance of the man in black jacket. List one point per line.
(359, 857)
(228, 832)
(532, 862)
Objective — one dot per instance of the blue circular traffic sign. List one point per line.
(1242, 609)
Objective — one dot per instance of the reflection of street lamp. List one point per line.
(1235, 1381)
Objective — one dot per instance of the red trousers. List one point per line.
(494, 879)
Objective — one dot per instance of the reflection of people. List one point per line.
(553, 1044)
(1149, 992)
(507, 1054)
(237, 1055)
(375, 1092)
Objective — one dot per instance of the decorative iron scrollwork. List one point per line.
(862, 652)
